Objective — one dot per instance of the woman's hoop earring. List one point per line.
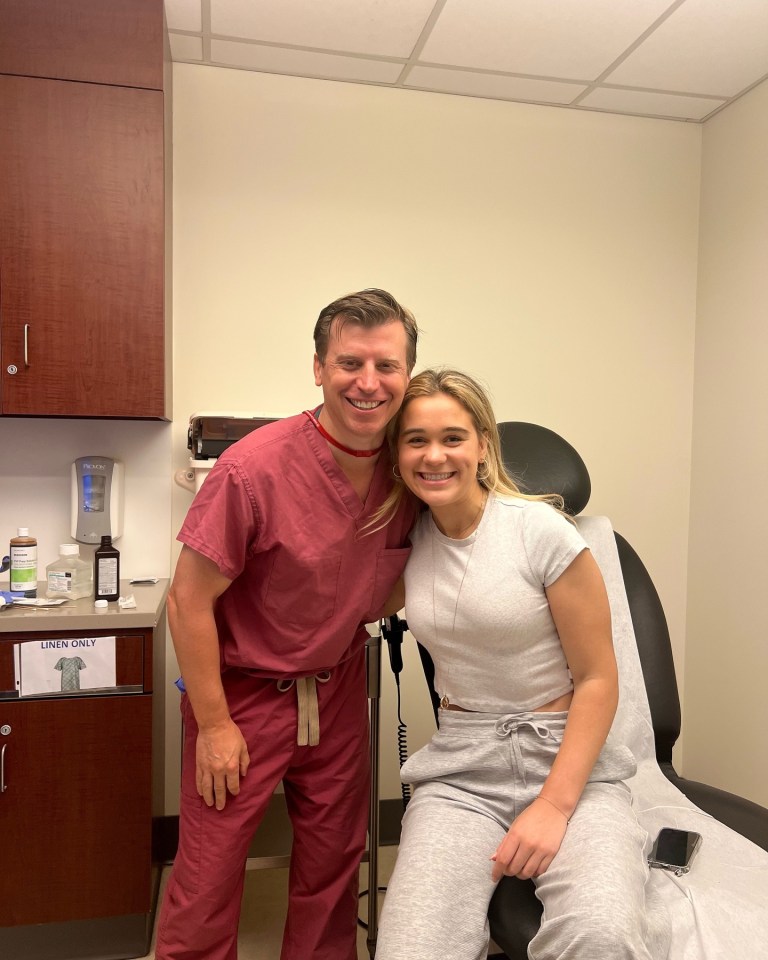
(487, 474)
(395, 474)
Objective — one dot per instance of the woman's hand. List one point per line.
(531, 842)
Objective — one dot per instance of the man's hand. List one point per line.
(531, 843)
(222, 758)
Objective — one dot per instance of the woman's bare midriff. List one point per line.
(554, 706)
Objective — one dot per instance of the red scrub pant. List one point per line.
(326, 792)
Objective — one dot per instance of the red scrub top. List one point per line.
(279, 518)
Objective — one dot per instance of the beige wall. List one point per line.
(726, 665)
(551, 252)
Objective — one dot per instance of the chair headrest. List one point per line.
(540, 461)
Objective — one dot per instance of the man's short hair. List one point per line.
(367, 308)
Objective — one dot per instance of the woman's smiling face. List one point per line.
(439, 450)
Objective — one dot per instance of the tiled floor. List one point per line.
(263, 915)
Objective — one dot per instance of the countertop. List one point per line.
(82, 615)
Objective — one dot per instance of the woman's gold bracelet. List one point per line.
(553, 804)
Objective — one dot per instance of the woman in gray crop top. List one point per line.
(521, 778)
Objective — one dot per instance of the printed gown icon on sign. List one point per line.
(70, 672)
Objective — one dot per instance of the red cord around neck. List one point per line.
(324, 433)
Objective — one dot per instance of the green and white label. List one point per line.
(23, 568)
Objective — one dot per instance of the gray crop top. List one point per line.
(497, 650)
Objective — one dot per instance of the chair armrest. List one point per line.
(742, 815)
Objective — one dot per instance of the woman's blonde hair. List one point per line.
(492, 474)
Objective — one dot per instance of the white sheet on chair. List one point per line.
(719, 911)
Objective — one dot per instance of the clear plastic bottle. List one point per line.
(69, 576)
(107, 570)
(24, 564)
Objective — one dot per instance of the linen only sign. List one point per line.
(57, 666)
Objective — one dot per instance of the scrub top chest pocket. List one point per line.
(389, 568)
(302, 590)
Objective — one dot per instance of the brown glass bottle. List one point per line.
(106, 571)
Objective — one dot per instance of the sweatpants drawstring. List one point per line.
(510, 727)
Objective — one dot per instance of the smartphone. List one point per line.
(674, 850)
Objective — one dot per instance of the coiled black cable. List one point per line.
(402, 745)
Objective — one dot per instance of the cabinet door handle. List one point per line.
(26, 346)
(3, 787)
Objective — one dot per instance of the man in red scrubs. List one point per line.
(281, 568)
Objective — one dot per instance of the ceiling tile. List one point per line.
(184, 15)
(524, 50)
(184, 47)
(572, 39)
(492, 85)
(388, 28)
(304, 63)
(707, 46)
(651, 104)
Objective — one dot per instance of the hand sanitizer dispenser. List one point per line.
(97, 499)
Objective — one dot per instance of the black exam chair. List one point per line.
(542, 462)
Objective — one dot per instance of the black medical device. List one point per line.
(393, 629)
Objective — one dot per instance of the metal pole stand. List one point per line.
(373, 670)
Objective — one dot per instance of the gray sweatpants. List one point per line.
(470, 782)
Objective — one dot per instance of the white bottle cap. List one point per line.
(100, 603)
(23, 532)
(69, 550)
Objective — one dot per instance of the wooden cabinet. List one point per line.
(77, 802)
(98, 41)
(84, 210)
(76, 871)
(81, 249)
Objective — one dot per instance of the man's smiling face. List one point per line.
(364, 377)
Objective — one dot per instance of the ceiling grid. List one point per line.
(673, 59)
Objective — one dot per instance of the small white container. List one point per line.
(69, 576)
